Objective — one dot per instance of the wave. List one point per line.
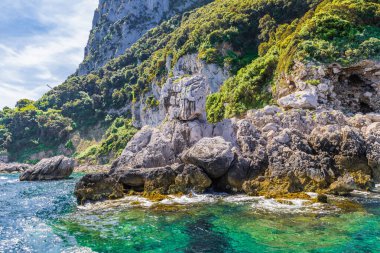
(257, 204)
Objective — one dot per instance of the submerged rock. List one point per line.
(13, 167)
(55, 168)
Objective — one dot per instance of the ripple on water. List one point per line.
(43, 217)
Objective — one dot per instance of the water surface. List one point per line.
(43, 217)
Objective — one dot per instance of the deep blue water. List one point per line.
(43, 217)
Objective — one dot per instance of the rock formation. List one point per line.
(13, 167)
(316, 141)
(55, 168)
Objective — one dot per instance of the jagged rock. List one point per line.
(269, 152)
(307, 99)
(55, 168)
(273, 186)
(191, 179)
(372, 136)
(344, 185)
(13, 167)
(214, 155)
(157, 147)
(335, 139)
(96, 187)
(159, 180)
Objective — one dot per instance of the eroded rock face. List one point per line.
(185, 98)
(55, 168)
(13, 167)
(352, 89)
(214, 155)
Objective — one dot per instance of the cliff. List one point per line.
(118, 24)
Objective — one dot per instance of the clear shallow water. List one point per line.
(43, 217)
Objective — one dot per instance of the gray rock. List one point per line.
(13, 167)
(214, 155)
(55, 168)
(118, 24)
(307, 99)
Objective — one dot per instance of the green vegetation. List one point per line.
(256, 40)
(113, 143)
(336, 31)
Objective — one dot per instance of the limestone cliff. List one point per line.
(117, 24)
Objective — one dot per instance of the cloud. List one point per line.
(41, 42)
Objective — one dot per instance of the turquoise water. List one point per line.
(43, 217)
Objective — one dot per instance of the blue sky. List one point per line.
(41, 42)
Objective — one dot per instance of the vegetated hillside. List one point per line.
(336, 31)
(255, 40)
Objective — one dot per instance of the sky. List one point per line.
(41, 42)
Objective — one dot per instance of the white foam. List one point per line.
(190, 199)
(256, 203)
(78, 250)
(124, 202)
(287, 206)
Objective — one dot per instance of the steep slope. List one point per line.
(117, 24)
(328, 59)
(169, 73)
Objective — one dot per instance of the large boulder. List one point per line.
(96, 187)
(214, 155)
(55, 168)
(177, 178)
(13, 167)
(307, 99)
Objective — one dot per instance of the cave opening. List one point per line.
(354, 93)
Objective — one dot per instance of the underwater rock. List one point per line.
(54, 168)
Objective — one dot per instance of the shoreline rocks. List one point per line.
(324, 138)
(270, 152)
(9, 168)
(55, 168)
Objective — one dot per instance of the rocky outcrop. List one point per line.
(96, 187)
(270, 152)
(55, 168)
(352, 89)
(302, 146)
(182, 97)
(13, 167)
(118, 24)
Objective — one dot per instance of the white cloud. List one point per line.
(31, 59)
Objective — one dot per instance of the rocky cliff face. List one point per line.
(117, 24)
(305, 145)
(183, 96)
